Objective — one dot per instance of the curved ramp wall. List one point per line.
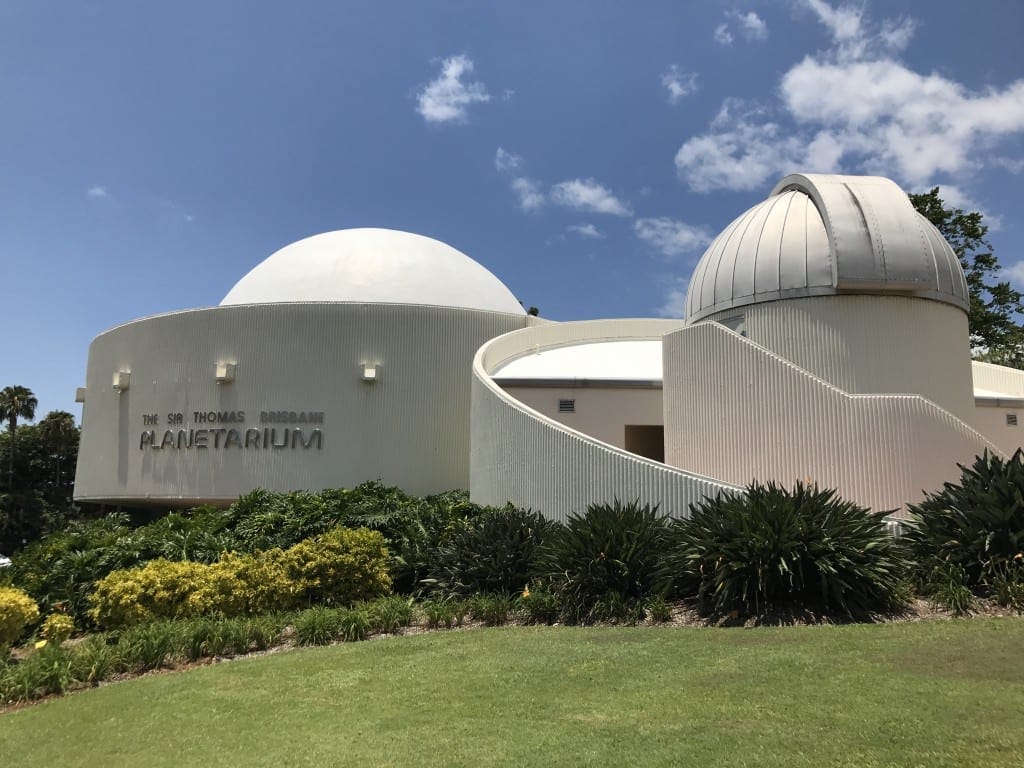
(297, 366)
(736, 409)
(517, 454)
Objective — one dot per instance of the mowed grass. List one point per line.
(946, 693)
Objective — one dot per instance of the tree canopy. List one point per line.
(39, 469)
(996, 309)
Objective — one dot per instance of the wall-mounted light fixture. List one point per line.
(122, 380)
(370, 372)
(225, 373)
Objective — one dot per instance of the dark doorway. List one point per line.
(646, 440)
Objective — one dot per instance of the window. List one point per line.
(567, 406)
(737, 323)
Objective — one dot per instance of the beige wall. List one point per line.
(602, 413)
(990, 420)
(871, 344)
(410, 428)
(738, 412)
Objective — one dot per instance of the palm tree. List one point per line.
(15, 403)
(58, 429)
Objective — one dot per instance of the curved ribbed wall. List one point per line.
(297, 366)
(871, 344)
(517, 454)
(771, 420)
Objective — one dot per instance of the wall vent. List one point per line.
(1011, 419)
(567, 406)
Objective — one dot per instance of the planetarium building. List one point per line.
(825, 338)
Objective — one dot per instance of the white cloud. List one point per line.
(445, 99)
(751, 25)
(855, 108)
(743, 150)
(1015, 273)
(531, 198)
(506, 162)
(843, 22)
(586, 230)
(671, 237)
(97, 192)
(675, 299)
(679, 84)
(588, 195)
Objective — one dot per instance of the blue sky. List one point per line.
(151, 154)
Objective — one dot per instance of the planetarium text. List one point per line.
(278, 430)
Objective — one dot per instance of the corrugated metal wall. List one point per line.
(997, 378)
(520, 455)
(872, 344)
(410, 428)
(739, 411)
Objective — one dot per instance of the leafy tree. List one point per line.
(16, 402)
(40, 475)
(996, 308)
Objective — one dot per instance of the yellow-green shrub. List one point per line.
(57, 628)
(338, 567)
(158, 590)
(17, 611)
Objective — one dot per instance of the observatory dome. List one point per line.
(373, 266)
(819, 235)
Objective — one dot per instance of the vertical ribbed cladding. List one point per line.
(997, 378)
(519, 455)
(409, 428)
(872, 344)
(735, 409)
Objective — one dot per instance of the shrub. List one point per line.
(159, 589)
(493, 553)
(17, 611)
(389, 614)
(339, 567)
(148, 646)
(946, 587)
(323, 625)
(46, 671)
(492, 610)
(63, 566)
(605, 563)
(1008, 587)
(976, 524)
(659, 610)
(57, 628)
(748, 552)
(539, 605)
(446, 613)
(94, 660)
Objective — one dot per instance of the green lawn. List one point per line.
(930, 694)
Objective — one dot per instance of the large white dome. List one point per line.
(819, 235)
(373, 266)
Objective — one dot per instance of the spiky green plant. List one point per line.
(769, 545)
(976, 524)
(494, 553)
(603, 564)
